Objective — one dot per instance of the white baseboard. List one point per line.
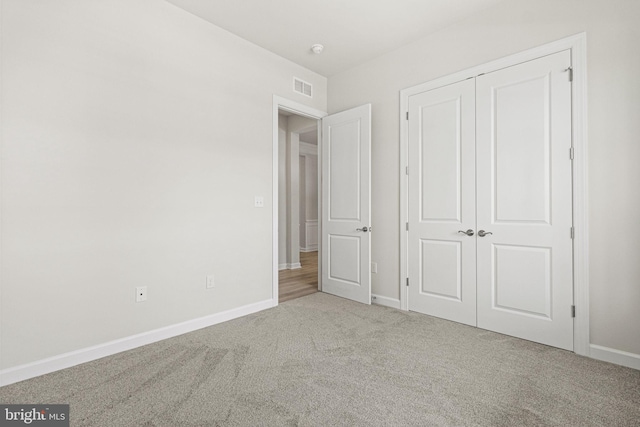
(630, 360)
(293, 266)
(311, 248)
(67, 360)
(386, 301)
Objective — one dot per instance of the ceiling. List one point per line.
(352, 31)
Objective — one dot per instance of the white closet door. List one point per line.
(524, 268)
(346, 204)
(442, 202)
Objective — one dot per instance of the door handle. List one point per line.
(469, 232)
(363, 229)
(483, 233)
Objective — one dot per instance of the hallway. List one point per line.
(299, 282)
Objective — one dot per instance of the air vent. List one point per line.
(302, 87)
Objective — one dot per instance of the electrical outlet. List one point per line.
(258, 202)
(210, 282)
(141, 293)
(374, 267)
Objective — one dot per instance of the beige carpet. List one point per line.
(325, 361)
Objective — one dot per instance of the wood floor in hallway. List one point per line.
(299, 282)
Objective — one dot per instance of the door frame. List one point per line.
(293, 107)
(577, 45)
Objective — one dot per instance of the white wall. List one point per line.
(311, 183)
(127, 161)
(613, 36)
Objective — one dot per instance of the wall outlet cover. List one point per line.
(141, 293)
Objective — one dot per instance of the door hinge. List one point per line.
(407, 226)
(407, 115)
(570, 70)
(573, 233)
(406, 170)
(571, 153)
(573, 311)
(407, 281)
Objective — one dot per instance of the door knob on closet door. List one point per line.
(363, 229)
(483, 233)
(469, 232)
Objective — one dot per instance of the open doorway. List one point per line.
(344, 197)
(298, 205)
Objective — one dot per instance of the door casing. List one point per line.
(577, 45)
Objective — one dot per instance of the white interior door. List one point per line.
(499, 166)
(525, 282)
(442, 202)
(346, 206)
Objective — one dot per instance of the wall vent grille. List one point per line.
(302, 87)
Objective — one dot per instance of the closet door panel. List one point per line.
(525, 283)
(442, 202)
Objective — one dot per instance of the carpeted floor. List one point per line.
(325, 361)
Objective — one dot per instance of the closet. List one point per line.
(490, 201)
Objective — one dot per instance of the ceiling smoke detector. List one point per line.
(317, 48)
